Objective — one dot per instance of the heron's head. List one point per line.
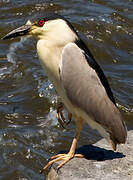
(51, 27)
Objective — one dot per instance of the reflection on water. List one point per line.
(29, 132)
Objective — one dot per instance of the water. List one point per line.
(29, 132)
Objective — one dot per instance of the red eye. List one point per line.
(41, 22)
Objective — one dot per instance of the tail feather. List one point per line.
(113, 144)
(119, 134)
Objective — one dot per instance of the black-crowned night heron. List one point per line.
(77, 78)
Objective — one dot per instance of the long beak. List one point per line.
(21, 31)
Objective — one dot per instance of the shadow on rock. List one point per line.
(92, 152)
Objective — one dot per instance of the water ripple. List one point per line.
(29, 131)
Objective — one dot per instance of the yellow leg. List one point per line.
(71, 153)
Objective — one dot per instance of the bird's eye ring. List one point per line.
(41, 22)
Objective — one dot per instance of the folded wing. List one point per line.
(86, 91)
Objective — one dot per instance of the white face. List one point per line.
(57, 31)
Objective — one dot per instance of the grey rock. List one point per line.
(100, 163)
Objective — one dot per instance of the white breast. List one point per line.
(49, 58)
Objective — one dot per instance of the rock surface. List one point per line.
(100, 163)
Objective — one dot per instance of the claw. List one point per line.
(69, 117)
(60, 117)
(71, 153)
(58, 157)
(59, 120)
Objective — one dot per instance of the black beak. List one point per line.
(21, 31)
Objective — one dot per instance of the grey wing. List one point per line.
(85, 90)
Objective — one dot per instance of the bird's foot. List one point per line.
(59, 114)
(60, 117)
(58, 157)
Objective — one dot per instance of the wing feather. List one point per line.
(85, 90)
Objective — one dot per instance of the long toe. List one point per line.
(59, 157)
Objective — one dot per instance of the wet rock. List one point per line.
(100, 163)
